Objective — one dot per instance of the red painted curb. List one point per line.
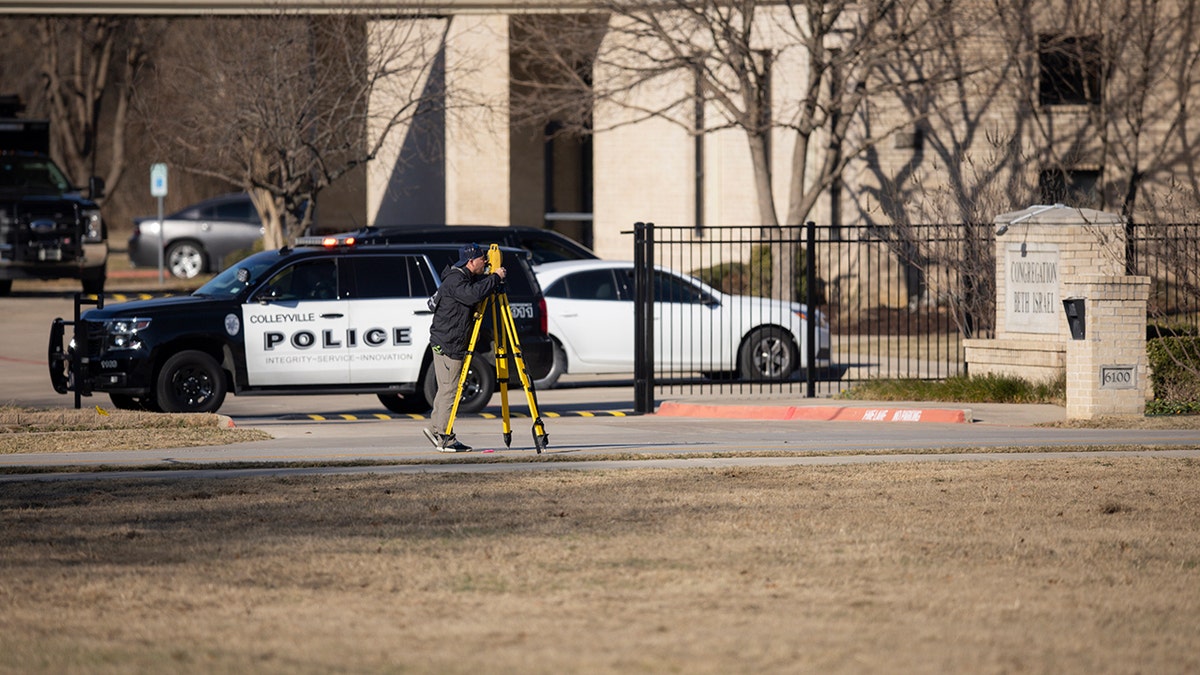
(810, 413)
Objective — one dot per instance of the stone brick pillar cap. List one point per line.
(1057, 214)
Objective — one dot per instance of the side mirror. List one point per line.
(267, 295)
(95, 188)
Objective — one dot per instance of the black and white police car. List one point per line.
(324, 317)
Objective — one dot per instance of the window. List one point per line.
(315, 280)
(391, 277)
(1073, 187)
(1069, 70)
(670, 288)
(588, 285)
(242, 209)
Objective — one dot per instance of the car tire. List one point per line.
(190, 382)
(558, 366)
(477, 390)
(767, 354)
(5, 287)
(186, 259)
(405, 404)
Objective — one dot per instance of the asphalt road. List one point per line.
(583, 422)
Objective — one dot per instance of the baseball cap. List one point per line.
(468, 253)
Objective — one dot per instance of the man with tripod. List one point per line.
(464, 285)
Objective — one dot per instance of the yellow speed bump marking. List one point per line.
(349, 417)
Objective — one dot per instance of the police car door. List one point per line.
(390, 316)
(296, 328)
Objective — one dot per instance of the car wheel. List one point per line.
(405, 404)
(558, 366)
(477, 389)
(767, 354)
(5, 286)
(186, 259)
(191, 382)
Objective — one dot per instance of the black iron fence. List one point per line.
(870, 302)
(1168, 253)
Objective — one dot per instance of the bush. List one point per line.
(1175, 369)
(754, 277)
(241, 254)
(983, 389)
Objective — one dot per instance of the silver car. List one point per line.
(197, 238)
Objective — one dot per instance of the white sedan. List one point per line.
(697, 329)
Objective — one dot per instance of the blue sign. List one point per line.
(158, 180)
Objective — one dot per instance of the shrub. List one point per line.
(1175, 368)
(754, 277)
(241, 254)
(979, 389)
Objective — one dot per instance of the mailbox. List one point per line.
(1074, 307)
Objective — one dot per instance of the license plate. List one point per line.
(50, 253)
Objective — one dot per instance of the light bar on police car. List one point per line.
(327, 242)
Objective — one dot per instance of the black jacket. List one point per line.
(455, 314)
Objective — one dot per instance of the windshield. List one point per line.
(32, 172)
(235, 279)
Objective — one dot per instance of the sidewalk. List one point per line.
(1009, 414)
(784, 407)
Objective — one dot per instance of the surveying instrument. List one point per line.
(504, 330)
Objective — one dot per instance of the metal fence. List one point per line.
(1168, 253)
(894, 302)
(897, 301)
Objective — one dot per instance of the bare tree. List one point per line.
(292, 107)
(90, 68)
(730, 50)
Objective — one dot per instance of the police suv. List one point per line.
(325, 317)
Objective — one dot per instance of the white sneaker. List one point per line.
(452, 444)
(445, 443)
(434, 437)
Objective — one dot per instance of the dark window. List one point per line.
(237, 210)
(588, 285)
(1072, 187)
(548, 250)
(392, 277)
(311, 280)
(1069, 70)
(670, 288)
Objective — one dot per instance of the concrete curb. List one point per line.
(813, 413)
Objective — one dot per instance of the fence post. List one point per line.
(643, 318)
(810, 309)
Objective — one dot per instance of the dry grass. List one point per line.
(25, 430)
(1065, 566)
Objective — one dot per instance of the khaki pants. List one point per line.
(448, 371)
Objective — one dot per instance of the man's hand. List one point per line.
(501, 272)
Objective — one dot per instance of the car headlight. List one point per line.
(93, 227)
(123, 333)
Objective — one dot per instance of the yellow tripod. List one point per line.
(504, 329)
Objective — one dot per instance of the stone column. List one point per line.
(1108, 370)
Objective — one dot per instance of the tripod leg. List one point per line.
(501, 338)
(462, 376)
(540, 438)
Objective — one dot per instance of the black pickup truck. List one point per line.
(48, 228)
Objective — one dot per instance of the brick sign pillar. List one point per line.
(1107, 369)
(1045, 254)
